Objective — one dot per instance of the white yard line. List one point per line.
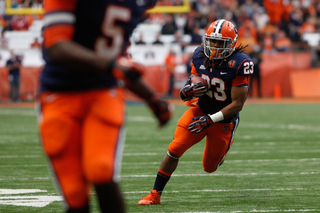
(225, 190)
(231, 161)
(225, 174)
(182, 175)
(231, 152)
(186, 162)
(189, 153)
(20, 156)
(281, 126)
(254, 210)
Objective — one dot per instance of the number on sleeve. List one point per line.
(248, 68)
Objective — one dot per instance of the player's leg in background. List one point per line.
(61, 138)
(182, 141)
(103, 142)
(218, 142)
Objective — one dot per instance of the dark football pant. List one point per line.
(218, 142)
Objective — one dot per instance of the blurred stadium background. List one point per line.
(283, 38)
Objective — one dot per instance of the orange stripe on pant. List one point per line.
(218, 141)
(80, 134)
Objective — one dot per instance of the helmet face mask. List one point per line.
(220, 39)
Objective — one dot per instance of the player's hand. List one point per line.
(200, 123)
(161, 109)
(127, 70)
(189, 92)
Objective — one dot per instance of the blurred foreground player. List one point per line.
(82, 107)
(226, 69)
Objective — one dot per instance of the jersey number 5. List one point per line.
(113, 32)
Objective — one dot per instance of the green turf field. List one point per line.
(273, 165)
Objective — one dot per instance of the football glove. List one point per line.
(161, 109)
(189, 92)
(126, 70)
(200, 123)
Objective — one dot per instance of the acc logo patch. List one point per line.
(232, 63)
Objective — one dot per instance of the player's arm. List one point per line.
(76, 57)
(189, 92)
(160, 108)
(238, 97)
(130, 73)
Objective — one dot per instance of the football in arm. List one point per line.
(197, 79)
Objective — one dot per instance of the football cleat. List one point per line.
(151, 199)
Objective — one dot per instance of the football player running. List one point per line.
(82, 105)
(226, 68)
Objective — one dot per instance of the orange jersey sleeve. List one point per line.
(193, 70)
(58, 21)
(240, 80)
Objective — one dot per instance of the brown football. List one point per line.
(197, 79)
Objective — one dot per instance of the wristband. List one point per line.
(216, 117)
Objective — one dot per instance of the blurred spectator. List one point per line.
(2, 21)
(180, 21)
(230, 14)
(287, 9)
(179, 40)
(188, 29)
(7, 25)
(260, 18)
(248, 27)
(13, 65)
(201, 19)
(156, 18)
(268, 43)
(169, 28)
(274, 10)
(309, 26)
(171, 63)
(249, 8)
(35, 44)
(189, 64)
(158, 41)
(282, 42)
(196, 38)
(316, 61)
(27, 3)
(14, 3)
(140, 40)
(20, 22)
(256, 57)
(242, 16)
(31, 3)
(296, 21)
(3, 41)
(248, 39)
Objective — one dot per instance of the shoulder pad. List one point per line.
(241, 63)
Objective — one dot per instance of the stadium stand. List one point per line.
(250, 16)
